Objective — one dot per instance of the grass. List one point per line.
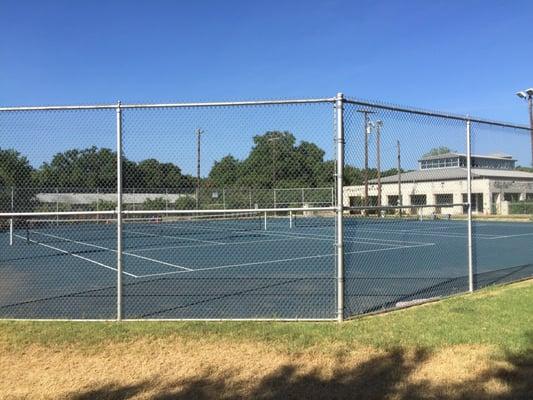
(465, 347)
(498, 316)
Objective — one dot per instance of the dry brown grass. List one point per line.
(171, 368)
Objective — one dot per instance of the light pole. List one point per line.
(274, 157)
(367, 129)
(528, 96)
(378, 124)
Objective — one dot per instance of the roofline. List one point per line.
(445, 155)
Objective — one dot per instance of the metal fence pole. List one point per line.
(119, 213)
(11, 219)
(339, 110)
(469, 205)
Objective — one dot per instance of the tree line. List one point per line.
(275, 160)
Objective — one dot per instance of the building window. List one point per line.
(418, 199)
(393, 200)
(512, 197)
(444, 198)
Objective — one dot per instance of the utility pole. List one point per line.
(399, 176)
(379, 125)
(272, 141)
(528, 96)
(199, 133)
(367, 132)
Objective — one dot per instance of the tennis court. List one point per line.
(247, 265)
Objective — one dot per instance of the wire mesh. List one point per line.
(229, 210)
(45, 157)
(220, 159)
(405, 231)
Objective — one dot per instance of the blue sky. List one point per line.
(457, 56)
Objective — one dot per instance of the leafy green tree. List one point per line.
(87, 168)
(185, 203)
(158, 203)
(157, 175)
(15, 173)
(225, 172)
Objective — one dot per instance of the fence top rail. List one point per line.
(363, 103)
(429, 113)
(169, 212)
(170, 105)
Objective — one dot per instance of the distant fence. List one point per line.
(312, 209)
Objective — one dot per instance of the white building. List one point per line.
(441, 180)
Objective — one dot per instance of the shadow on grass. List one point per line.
(381, 377)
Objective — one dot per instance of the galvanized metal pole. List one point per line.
(379, 124)
(399, 160)
(11, 219)
(339, 111)
(469, 205)
(198, 165)
(119, 213)
(530, 103)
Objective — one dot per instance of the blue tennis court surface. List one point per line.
(227, 270)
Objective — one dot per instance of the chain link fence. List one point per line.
(314, 209)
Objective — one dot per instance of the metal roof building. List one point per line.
(441, 180)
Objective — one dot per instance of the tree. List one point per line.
(16, 173)
(225, 172)
(437, 151)
(156, 175)
(87, 168)
(94, 168)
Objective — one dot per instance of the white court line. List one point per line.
(364, 239)
(113, 250)
(415, 233)
(283, 260)
(210, 245)
(327, 238)
(172, 237)
(75, 255)
(509, 236)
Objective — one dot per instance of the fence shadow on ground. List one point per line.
(381, 377)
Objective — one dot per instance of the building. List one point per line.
(441, 181)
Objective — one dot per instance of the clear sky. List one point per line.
(467, 56)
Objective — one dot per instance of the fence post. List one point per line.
(469, 204)
(11, 219)
(119, 212)
(339, 111)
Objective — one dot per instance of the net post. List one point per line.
(11, 231)
(119, 213)
(469, 204)
(290, 219)
(97, 203)
(166, 202)
(339, 236)
(265, 221)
